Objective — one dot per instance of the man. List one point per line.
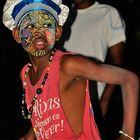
(104, 32)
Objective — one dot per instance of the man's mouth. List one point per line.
(39, 43)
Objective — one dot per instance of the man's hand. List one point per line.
(104, 106)
(105, 98)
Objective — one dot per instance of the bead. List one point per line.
(31, 109)
(29, 116)
(46, 76)
(24, 84)
(33, 102)
(39, 91)
(34, 98)
(48, 68)
(43, 83)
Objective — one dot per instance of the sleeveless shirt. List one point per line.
(48, 118)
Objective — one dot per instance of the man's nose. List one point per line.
(38, 32)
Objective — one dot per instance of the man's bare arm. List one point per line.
(116, 53)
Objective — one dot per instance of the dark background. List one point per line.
(12, 58)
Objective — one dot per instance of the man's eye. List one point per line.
(47, 25)
(30, 26)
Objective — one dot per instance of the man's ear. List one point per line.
(15, 33)
(58, 32)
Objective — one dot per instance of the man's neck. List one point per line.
(84, 5)
(40, 62)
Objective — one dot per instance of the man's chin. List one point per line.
(39, 53)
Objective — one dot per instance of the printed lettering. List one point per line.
(42, 107)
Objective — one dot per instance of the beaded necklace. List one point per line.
(27, 114)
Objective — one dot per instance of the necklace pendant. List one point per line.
(39, 91)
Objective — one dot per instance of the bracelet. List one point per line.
(125, 134)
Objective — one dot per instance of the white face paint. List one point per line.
(37, 31)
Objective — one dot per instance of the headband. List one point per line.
(15, 10)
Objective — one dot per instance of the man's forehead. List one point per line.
(39, 16)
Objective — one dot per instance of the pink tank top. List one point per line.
(48, 118)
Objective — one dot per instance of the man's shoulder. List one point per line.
(105, 7)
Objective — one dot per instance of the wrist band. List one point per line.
(125, 134)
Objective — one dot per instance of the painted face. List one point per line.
(37, 32)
